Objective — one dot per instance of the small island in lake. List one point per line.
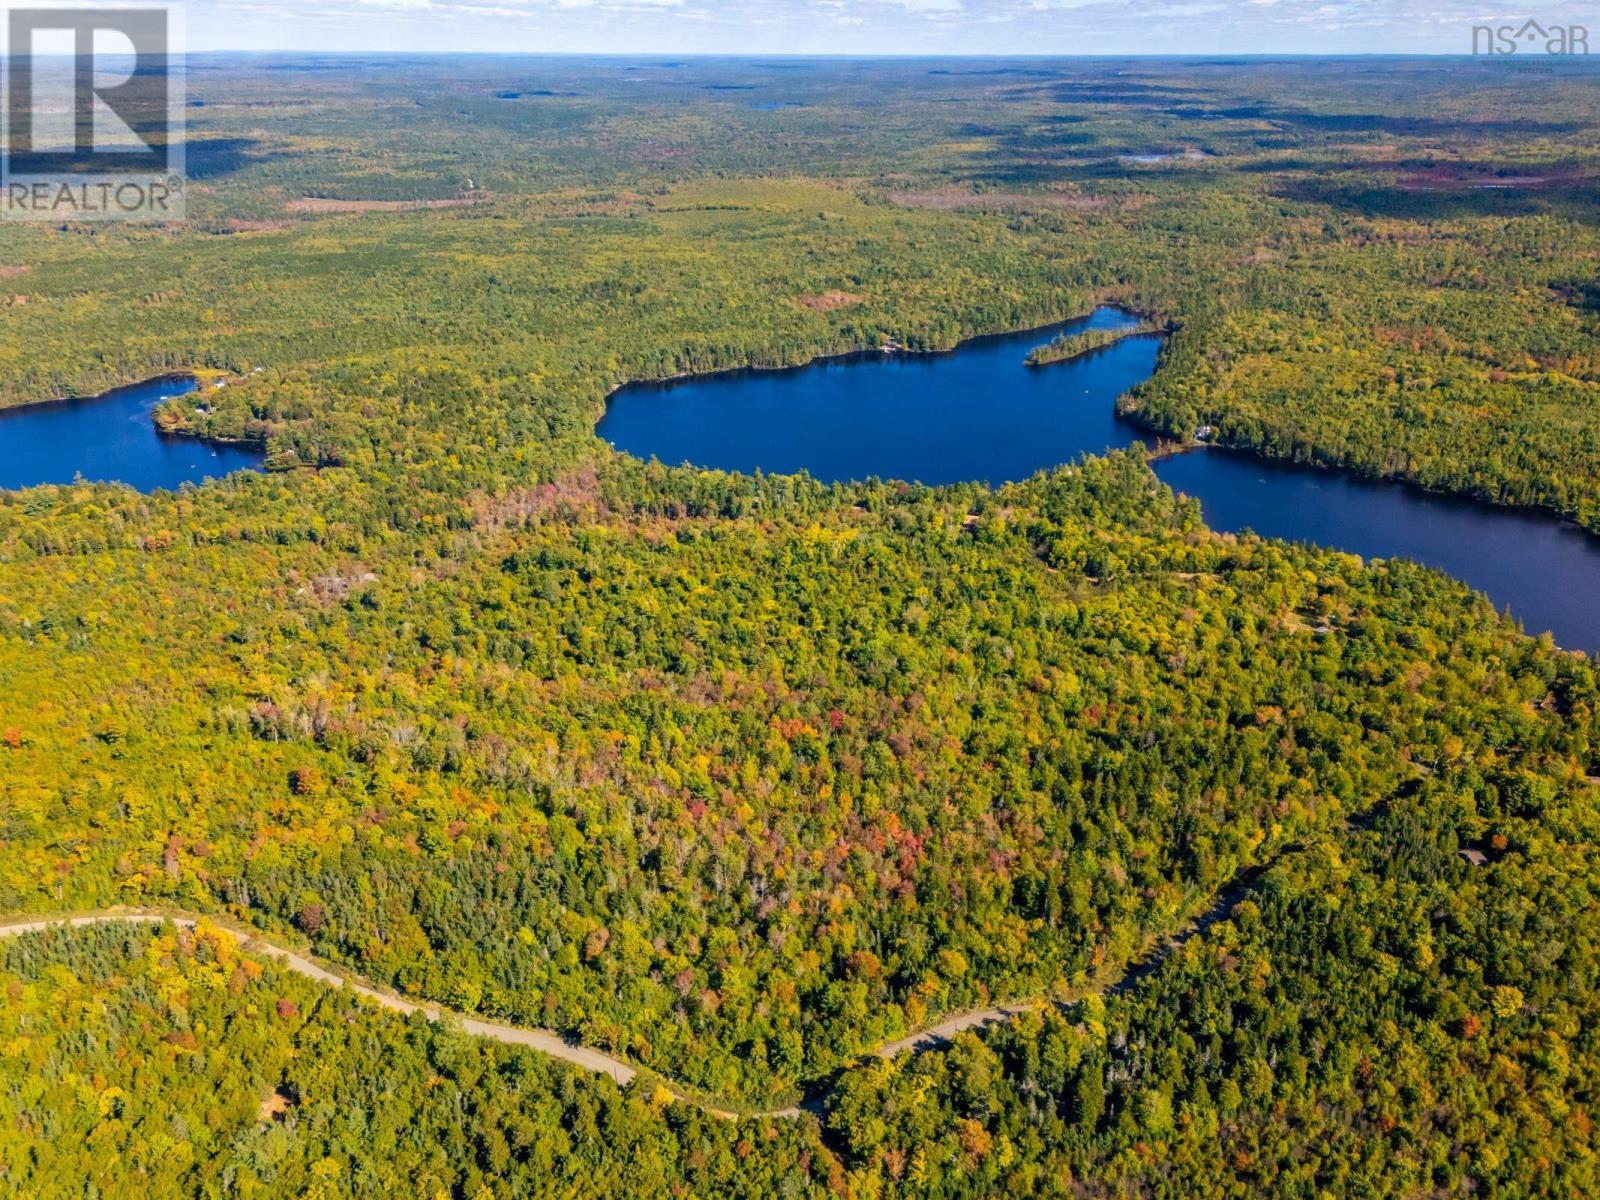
(1068, 346)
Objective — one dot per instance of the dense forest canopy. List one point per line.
(1386, 264)
(740, 777)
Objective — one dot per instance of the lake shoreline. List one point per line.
(1145, 328)
(1165, 450)
(111, 393)
(123, 389)
(951, 422)
(113, 437)
(1165, 444)
(874, 353)
(1168, 448)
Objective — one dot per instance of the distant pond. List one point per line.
(977, 413)
(110, 438)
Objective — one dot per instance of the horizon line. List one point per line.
(908, 56)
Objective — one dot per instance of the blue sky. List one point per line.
(870, 26)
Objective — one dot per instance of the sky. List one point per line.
(869, 26)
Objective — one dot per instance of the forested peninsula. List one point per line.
(735, 778)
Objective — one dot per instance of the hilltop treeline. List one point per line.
(1409, 294)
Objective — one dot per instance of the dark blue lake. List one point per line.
(110, 438)
(973, 413)
(976, 413)
(1545, 570)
